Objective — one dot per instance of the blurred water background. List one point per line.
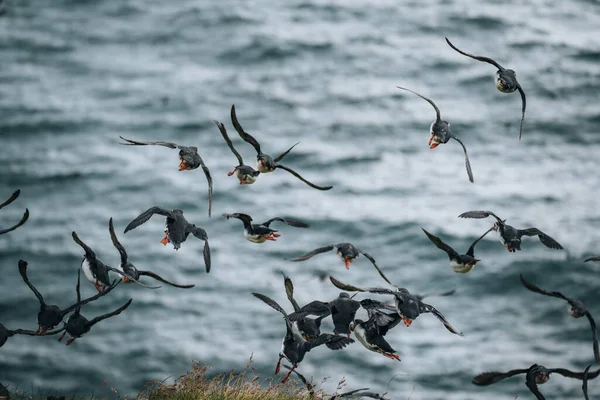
(74, 75)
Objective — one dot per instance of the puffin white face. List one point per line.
(461, 268)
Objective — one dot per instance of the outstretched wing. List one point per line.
(243, 134)
(108, 315)
(289, 291)
(130, 142)
(116, 242)
(471, 251)
(530, 383)
(270, 302)
(316, 308)
(13, 197)
(24, 219)
(297, 175)
(488, 378)
(32, 333)
(596, 258)
(314, 253)
(429, 308)
(146, 215)
(23, 272)
(523, 104)
(106, 291)
(545, 239)
(574, 375)
(479, 214)
(437, 110)
(536, 289)
(350, 288)
(131, 278)
(89, 253)
(228, 141)
(478, 58)
(441, 245)
(333, 342)
(288, 221)
(368, 257)
(467, 163)
(594, 336)
(280, 157)
(210, 183)
(163, 280)
(447, 293)
(358, 394)
(201, 234)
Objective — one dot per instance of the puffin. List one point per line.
(294, 347)
(4, 394)
(129, 270)
(371, 333)
(407, 305)
(260, 233)
(460, 263)
(77, 325)
(177, 229)
(511, 237)
(347, 252)
(440, 132)
(342, 310)
(24, 218)
(245, 173)
(576, 308)
(49, 315)
(189, 159)
(95, 270)
(506, 80)
(309, 328)
(266, 163)
(6, 333)
(535, 375)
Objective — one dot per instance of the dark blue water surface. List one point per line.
(74, 75)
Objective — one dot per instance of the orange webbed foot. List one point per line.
(165, 240)
(231, 173)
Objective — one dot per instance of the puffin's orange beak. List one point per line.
(347, 261)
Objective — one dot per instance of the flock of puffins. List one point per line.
(303, 326)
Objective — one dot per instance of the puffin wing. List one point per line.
(146, 215)
(163, 280)
(467, 162)
(471, 250)
(285, 153)
(288, 221)
(350, 288)
(431, 309)
(289, 291)
(479, 215)
(333, 342)
(596, 258)
(585, 382)
(201, 234)
(12, 198)
(210, 183)
(228, 141)
(23, 272)
(314, 253)
(106, 291)
(243, 134)
(545, 239)
(441, 245)
(130, 278)
(24, 219)
(575, 375)
(89, 253)
(297, 175)
(523, 104)
(130, 142)
(441, 294)
(116, 242)
(478, 58)
(536, 289)
(316, 308)
(118, 311)
(435, 107)
(488, 378)
(271, 303)
(368, 257)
